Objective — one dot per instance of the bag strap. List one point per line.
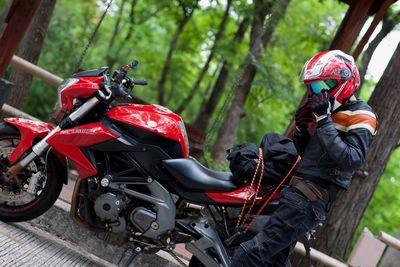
(260, 156)
(261, 176)
(273, 193)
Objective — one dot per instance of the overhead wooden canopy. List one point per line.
(374, 7)
(355, 19)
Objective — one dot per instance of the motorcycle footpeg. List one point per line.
(135, 252)
(232, 238)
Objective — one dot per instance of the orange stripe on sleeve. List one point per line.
(347, 122)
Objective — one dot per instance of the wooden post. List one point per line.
(18, 19)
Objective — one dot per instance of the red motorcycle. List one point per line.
(135, 172)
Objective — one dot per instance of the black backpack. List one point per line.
(279, 155)
(243, 161)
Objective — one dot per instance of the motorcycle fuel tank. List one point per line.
(155, 119)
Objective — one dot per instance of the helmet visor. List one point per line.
(317, 87)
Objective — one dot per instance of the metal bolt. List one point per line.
(138, 249)
(105, 182)
(149, 179)
(154, 225)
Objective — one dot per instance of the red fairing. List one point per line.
(153, 118)
(68, 142)
(239, 196)
(29, 130)
(84, 87)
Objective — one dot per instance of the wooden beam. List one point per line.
(378, 18)
(18, 20)
(351, 25)
(35, 71)
(319, 256)
(389, 240)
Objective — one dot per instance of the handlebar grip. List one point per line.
(140, 82)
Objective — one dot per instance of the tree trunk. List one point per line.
(29, 50)
(336, 235)
(3, 15)
(259, 39)
(172, 46)
(208, 106)
(388, 23)
(196, 86)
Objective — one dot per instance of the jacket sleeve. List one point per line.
(349, 149)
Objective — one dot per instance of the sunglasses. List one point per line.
(327, 85)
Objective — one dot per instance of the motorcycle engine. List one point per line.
(108, 208)
(143, 219)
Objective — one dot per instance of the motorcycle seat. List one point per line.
(194, 176)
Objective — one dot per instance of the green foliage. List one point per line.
(307, 28)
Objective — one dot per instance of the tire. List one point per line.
(195, 262)
(12, 206)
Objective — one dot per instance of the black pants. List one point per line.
(295, 216)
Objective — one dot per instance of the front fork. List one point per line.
(42, 146)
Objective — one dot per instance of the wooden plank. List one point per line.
(19, 18)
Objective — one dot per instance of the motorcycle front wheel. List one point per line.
(16, 204)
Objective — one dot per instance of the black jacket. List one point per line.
(339, 145)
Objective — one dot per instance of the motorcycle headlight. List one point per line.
(66, 83)
(183, 129)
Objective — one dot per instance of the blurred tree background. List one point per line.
(183, 46)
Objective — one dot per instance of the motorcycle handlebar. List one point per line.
(120, 92)
(140, 82)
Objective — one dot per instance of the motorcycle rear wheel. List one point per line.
(16, 204)
(195, 262)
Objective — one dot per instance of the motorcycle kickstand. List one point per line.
(135, 252)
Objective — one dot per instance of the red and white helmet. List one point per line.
(334, 71)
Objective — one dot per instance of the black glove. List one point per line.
(321, 106)
(303, 116)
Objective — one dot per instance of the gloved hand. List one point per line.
(321, 106)
(303, 117)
